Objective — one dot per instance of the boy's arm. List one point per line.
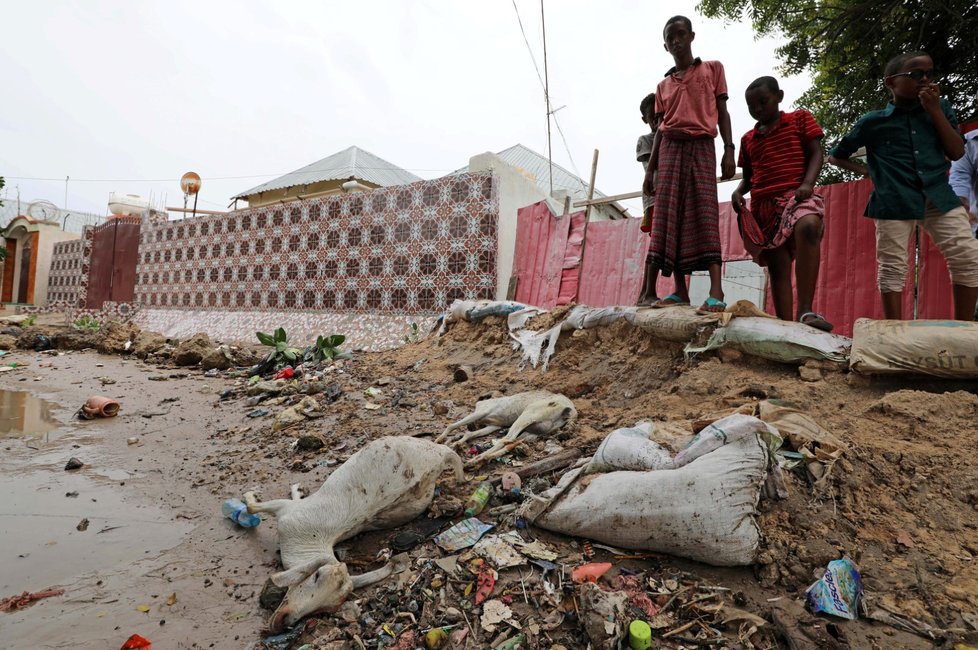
(815, 158)
(648, 186)
(737, 198)
(850, 165)
(727, 166)
(951, 141)
(848, 145)
(963, 172)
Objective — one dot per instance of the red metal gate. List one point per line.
(112, 270)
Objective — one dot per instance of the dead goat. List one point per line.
(387, 483)
(537, 413)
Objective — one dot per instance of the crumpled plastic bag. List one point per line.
(838, 591)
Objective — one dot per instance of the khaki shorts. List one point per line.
(951, 233)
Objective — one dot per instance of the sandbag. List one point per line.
(940, 348)
(723, 432)
(705, 511)
(629, 448)
(678, 324)
(777, 340)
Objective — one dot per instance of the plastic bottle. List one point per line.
(479, 499)
(237, 512)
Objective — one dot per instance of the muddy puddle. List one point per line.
(43, 540)
(23, 415)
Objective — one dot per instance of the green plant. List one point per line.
(282, 354)
(325, 348)
(30, 320)
(414, 335)
(86, 322)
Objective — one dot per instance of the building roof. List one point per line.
(352, 162)
(537, 168)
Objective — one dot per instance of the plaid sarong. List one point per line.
(686, 221)
(770, 222)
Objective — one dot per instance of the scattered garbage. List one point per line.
(462, 535)
(237, 511)
(838, 591)
(479, 499)
(639, 635)
(27, 598)
(136, 642)
(590, 572)
(99, 406)
(73, 464)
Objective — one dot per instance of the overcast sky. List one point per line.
(127, 96)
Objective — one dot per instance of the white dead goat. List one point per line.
(535, 413)
(387, 483)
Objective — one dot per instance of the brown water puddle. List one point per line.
(22, 414)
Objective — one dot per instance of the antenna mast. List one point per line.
(546, 96)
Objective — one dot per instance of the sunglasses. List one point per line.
(916, 75)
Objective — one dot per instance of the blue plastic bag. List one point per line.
(838, 591)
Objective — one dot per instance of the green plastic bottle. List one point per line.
(479, 499)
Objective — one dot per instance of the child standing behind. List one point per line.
(691, 103)
(908, 144)
(643, 153)
(781, 158)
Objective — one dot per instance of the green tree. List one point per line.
(845, 44)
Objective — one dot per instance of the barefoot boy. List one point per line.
(781, 158)
(691, 103)
(643, 153)
(908, 144)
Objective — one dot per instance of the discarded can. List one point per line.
(639, 635)
(479, 499)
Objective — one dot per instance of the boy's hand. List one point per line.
(727, 166)
(648, 185)
(930, 97)
(803, 192)
(737, 201)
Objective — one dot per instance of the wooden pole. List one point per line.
(587, 216)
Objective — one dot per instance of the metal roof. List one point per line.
(352, 162)
(538, 167)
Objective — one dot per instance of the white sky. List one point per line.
(127, 96)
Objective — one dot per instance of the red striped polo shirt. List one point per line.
(777, 157)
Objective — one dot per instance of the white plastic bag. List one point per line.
(705, 511)
(630, 448)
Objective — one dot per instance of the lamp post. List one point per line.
(190, 184)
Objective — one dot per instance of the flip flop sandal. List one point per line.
(711, 306)
(672, 300)
(816, 320)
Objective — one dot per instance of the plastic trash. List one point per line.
(437, 638)
(136, 642)
(639, 635)
(590, 572)
(479, 499)
(285, 373)
(462, 535)
(99, 406)
(237, 512)
(838, 591)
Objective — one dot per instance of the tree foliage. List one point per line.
(845, 44)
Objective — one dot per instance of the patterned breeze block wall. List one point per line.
(408, 249)
(69, 265)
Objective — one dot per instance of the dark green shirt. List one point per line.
(906, 161)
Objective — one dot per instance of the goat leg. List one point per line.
(464, 422)
(399, 563)
(296, 495)
(274, 506)
(498, 450)
(486, 430)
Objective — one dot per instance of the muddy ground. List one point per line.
(158, 559)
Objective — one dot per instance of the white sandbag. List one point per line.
(777, 340)
(678, 324)
(630, 448)
(476, 310)
(940, 348)
(705, 511)
(722, 432)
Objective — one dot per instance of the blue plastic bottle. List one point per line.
(237, 512)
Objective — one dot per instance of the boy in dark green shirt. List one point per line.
(908, 144)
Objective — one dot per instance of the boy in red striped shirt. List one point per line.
(781, 158)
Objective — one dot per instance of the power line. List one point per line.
(216, 178)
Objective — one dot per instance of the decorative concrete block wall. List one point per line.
(68, 266)
(410, 249)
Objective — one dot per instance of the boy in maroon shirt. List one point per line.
(691, 104)
(781, 158)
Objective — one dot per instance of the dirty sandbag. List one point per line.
(677, 324)
(723, 432)
(476, 310)
(705, 511)
(818, 447)
(777, 340)
(630, 448)
(939, 348)
(583, 317)
(838, 591)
